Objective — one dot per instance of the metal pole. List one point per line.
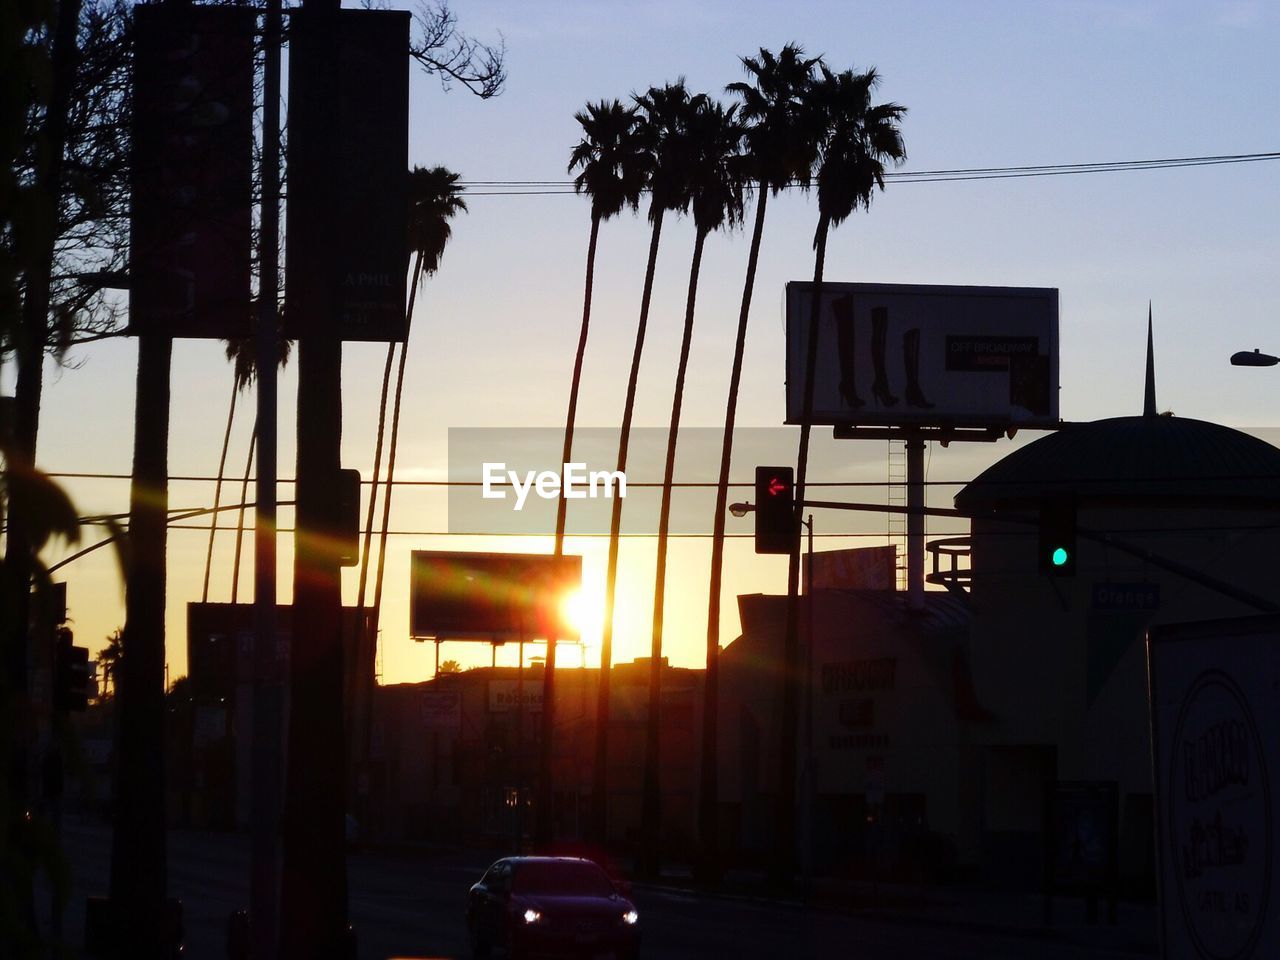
(806, 826)
(518, 766)
(266, 799)
(915, 523)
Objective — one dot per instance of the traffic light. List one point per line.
(348, 525)
(71, 674)
(1057, 551)
(775, 510)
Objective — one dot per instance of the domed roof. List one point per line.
(1133, 458)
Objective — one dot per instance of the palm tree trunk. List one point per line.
(373, 488)
(391, 456)
(544, 826)
(709, 798)
(600, 772)
(217, 489)
(244, 493)
(786, 798)
(651, 814)
(365, 675)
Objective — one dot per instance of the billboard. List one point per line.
(919, 355)
(859, 568)
(491, 596)
(190, 227)
(1215, 730)
(347, 219)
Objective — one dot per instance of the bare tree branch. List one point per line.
(442, 50)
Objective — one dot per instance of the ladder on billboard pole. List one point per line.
(896, 492)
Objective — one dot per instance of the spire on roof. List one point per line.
(1149, 401)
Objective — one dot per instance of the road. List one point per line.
(412, 906)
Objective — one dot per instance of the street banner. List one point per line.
(190, 226)
(1215, 723)
(348, 167)
(919, 355)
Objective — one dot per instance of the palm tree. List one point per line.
(612, 166)
(858, 140)
(434, 199)
(781, 148)
(107, 659)
(660, 112)
(713, 138)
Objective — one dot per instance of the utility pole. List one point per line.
(264, 880)
(347, 233)
(313, 892)
(138, 849)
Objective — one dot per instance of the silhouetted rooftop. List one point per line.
(1133, 458)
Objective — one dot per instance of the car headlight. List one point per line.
(532, 916)
(630, 917)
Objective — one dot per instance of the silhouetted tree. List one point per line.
(661, 110)
(434, 200)
(450, 666)
(42, 57)
(108, 658)
(611, 164)
(858, 139)
(781, 149)
(444, 51)
(712, 139)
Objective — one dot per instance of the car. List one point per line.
(551, 906)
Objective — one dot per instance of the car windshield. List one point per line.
(561, 877)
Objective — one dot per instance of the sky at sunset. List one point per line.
(986, 84)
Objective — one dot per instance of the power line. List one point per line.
(508, 188)
(711, 484)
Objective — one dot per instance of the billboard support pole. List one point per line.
(915, 521)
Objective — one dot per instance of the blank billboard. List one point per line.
(491, 596)
(192, 149)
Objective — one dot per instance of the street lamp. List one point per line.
(741, 509)
(1255, 359)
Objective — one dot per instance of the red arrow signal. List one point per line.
(776, 486)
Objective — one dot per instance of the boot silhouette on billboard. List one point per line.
(911, 362)
(879, 336)
(846, 342)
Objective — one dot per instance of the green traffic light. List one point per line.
(1060, 557)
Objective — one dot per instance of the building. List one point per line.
(457, 756)
(946, 734)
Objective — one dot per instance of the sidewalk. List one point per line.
(958, 906)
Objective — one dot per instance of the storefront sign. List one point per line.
(441, 710)
(859, 676)
(1126, 596)
(1216, 731)
(508, 695)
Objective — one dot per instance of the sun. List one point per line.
(583, 610)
